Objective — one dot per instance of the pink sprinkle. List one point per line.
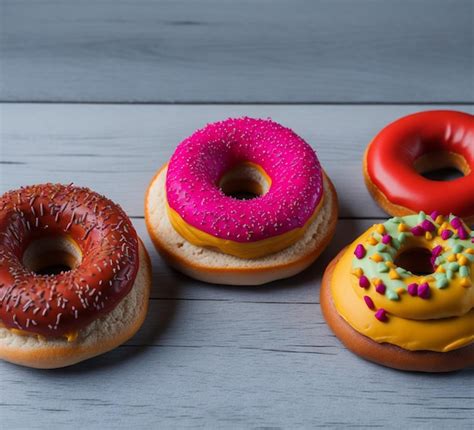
(418, 230)
(428, 225)
(434, 215)
(369, 302)
(437, 250)
(194, 169)
(380, 288)
(424, 291)
(456, 222)
(446, 234)
(462, 233)
(413, 289)
(364, 282)
(381, 315)
(360, 251)
(386, 239)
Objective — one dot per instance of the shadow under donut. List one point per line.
(161, 312)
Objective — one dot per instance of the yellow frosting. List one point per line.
(453, 301)
(407, 325)
(256, 249)
(245, 250)
(70, 337)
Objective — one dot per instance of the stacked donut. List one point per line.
(244, 202)
(402, 294)
(389, 315)
(216, 237)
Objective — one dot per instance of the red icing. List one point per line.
(392, 153)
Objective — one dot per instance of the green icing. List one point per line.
(380, 270)
(441, 280)
(397, 243)
(464, 271)
(402, 237)
(454, 267)
(392, 295)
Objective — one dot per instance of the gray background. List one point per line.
(99, 92)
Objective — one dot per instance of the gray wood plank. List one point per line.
(300, 289)
(226, 365)
(213, 356)
(116, 149)
(237, 51)
(233, 361)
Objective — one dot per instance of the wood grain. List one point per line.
(234, 358)
(300, 289)
(233, 365)
(214, 356)
(237, 51)
(116, 149)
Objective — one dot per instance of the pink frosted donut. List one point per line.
(200, 225)
(201, 160)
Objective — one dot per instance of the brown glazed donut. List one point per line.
(69, 226)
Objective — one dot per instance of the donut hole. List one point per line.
(442, 166)
(52, 255)
(416, 260)
(245, 181)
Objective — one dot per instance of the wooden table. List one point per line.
(99, 93)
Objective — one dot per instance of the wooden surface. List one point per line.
(237, 50)
(336, 71)
(116, 149)
(214, 356)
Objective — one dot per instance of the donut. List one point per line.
(402, 294)
(414, 145)
(74, 276)
(200, 224)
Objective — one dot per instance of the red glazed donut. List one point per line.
(416, 144)
(54, 223)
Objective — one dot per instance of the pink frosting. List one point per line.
(202, 159)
